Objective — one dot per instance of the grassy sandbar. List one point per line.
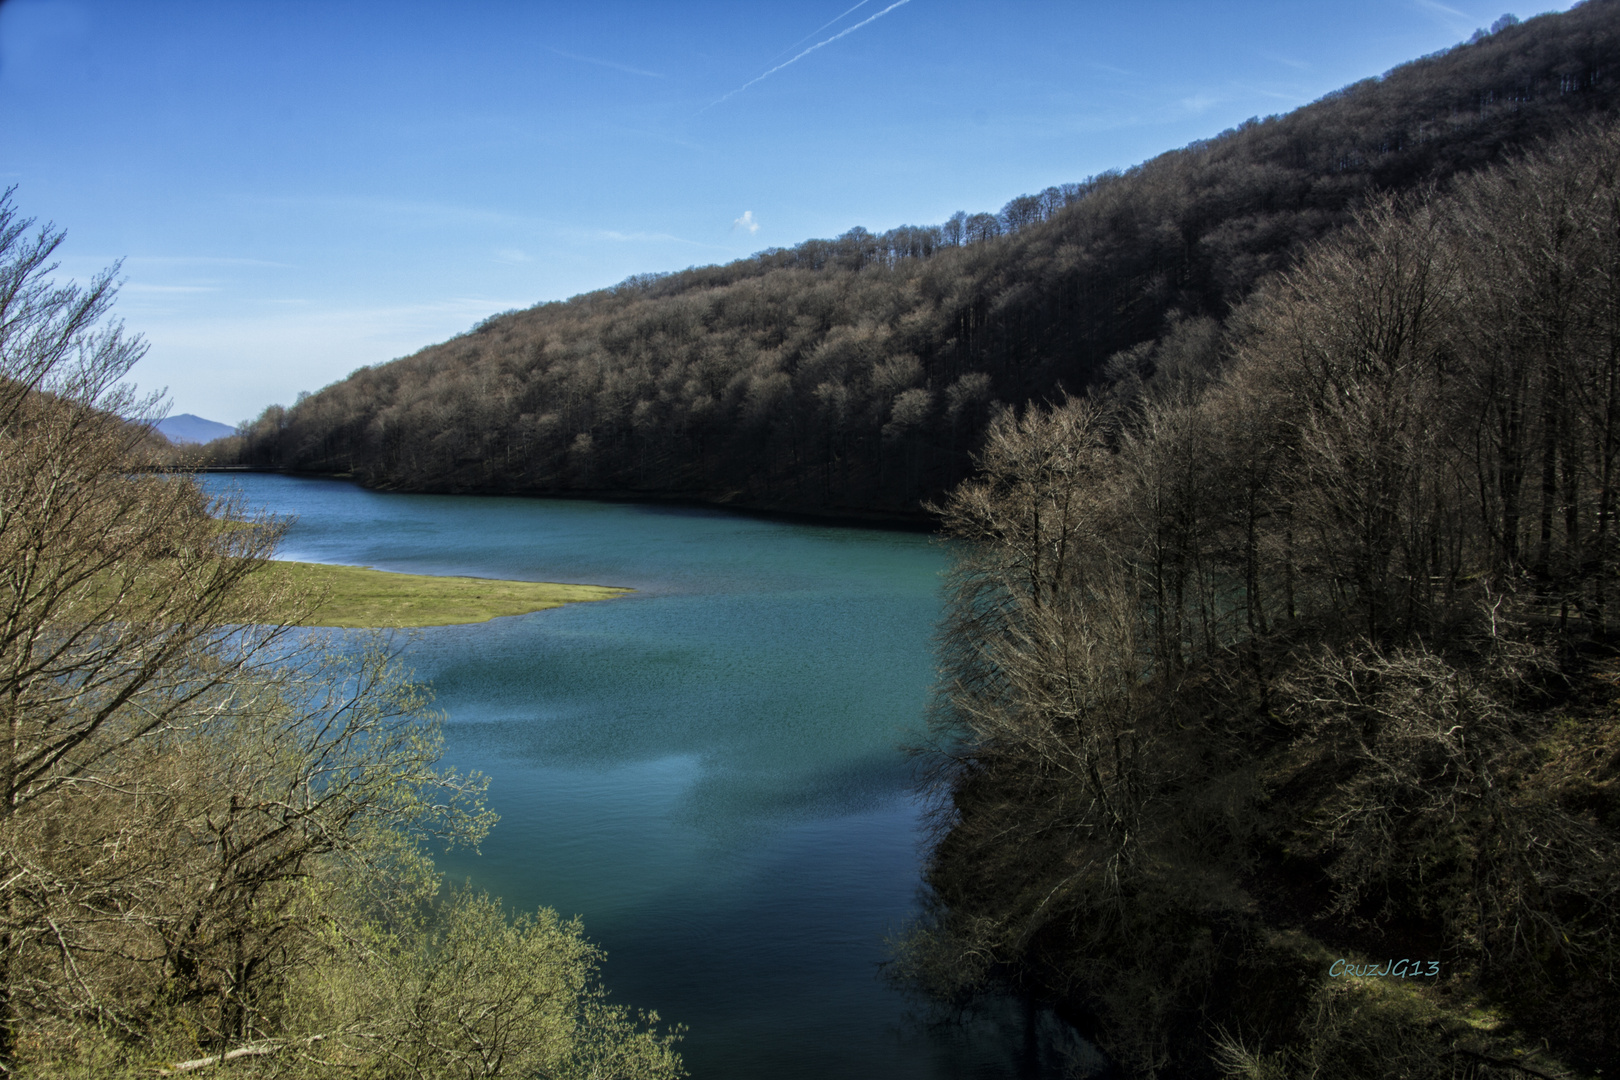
(357, 596)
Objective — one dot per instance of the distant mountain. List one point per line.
(187, 428)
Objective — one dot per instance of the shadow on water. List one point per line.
(1003, 1036)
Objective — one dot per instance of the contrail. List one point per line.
(802, 40)
(592, 60)
(807, 52)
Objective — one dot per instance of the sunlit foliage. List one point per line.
(214, 830)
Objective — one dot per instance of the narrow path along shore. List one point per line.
(352, 597)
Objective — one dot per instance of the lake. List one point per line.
(709, 771)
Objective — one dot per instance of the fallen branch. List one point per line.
(251, 1050)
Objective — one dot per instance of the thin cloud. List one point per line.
(88, 265)
(1435, 5)
(137, 287)
(607, 64)
(818, 30)
(645, 237)
(512, 255)
(807, 52)
(1260, 91)
(1297, 65)
(200, 260)
(746, 222)
(421, 213)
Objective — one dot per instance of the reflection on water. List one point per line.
(707, 770)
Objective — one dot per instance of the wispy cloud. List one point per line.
(1295, 96)
(807, 52)
(416, 212)
(819, 29)
(608, 64)
(746, 222)
(133, 268)
(512, 255)
(138, 287)
(200, 260)
(1445, 9)
(1297, 65)
(646, 237)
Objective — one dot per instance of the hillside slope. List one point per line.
(857, 374)
(1277, 725)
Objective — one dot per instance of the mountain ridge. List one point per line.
(190, 428)
(857, 374)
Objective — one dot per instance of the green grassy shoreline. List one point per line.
(353, 597)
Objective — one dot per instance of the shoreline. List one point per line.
(896, 520)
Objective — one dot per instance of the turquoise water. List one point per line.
(708, 770)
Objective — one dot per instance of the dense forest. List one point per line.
(216, 832)
(858, 374)
(1278, 730)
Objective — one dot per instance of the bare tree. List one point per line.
(205, 815)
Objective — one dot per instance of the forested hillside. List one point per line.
(858, 374)
(1278, 733)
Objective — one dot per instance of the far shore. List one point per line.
(857, 517)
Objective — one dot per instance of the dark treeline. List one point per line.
(1277, 725)
(858, 374)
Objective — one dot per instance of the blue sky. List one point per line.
(300, 189)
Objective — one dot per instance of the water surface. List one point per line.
(708, 770)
